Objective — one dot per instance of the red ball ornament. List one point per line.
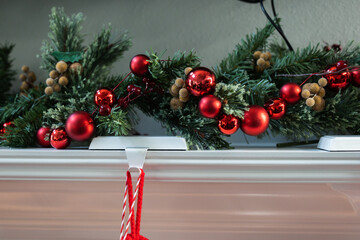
(355, 75)
(228, 124)
(104, 96)
(43, 136)
(105, 110)
(59, 138)
(256, 121)
(200, 81)
(275, 107)
(339, 80)
(3, 128)
(80, 126)
(341, 65)
(139, 65)
(210, 106)
(290, 92)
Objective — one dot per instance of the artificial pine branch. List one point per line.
(7, 74)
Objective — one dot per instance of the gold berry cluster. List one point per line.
(59, 77)
(314, 94)
(262, 60)
(179, 92)
(28, 78)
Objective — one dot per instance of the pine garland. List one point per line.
(7, 74)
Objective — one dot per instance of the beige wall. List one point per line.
(211, 27)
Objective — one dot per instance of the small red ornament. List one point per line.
(105, 110)
(139, 65)
(341, 65)
(290, 92)
(59, 138)
(123, 103)
(200, 81)
(275, 107)
(355, 75)
(210, 106)
(104, 96)
(3, 128)
(43, 136)
(339, 80)
(228, 124)
(80, 126)
(256, 121)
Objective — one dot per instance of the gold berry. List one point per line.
(32, 76)
(175, 103)
(50, 81)
(319, 104)
(321, 92)
(184, 99)
(260, 62)
(57, 88)
(174, 90)
(256, 55)
(267, 64)
(310, 102)
(264, 56)
(24, 86)
(22, 77)
(322, 82)
(259, 69)
(305, 93)
(53, 74)
(49, 91)
(314, 88)
(61, 66)
(268, 55)
(63, 81)
(306, 86)
(183, 93)
(187, 70)
(76, 68)
(179, 82)
(25, 69)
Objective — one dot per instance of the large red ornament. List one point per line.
(210, 106)
(139, 65)
(80, 126)
(104, 96)
(200, 81)
(291, 93)
(339, 80)
(275, 107)
(256, 121)
(228, 124)
(43, 136)
(59, 138)
(355, 75)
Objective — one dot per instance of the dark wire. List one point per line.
(276, 26)
(275, 15)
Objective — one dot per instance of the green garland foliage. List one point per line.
(7, 74)
(65, 39)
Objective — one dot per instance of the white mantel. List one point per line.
(247, 194)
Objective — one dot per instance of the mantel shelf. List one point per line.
(242, 165)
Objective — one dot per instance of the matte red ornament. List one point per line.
(256, 121)
(275, 107)
(355, 75)
(291, 93)
(228, 124)
(80, 126)
(43, 136)
(139, 65)
(59, 138)
(200, 81)
(104, 96)
(339, 80)
(210, 106)
(105, 110)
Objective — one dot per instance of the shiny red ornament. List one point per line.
(339, 80)
(210, 106)
(59, 138)
(139, 65)
(341, 65)
(80, 126)
(104, 110)
(275, 107)
(355, 77)
(3, 128)
(256, 121)
(228, 124)
(104, 96)
(200, 81)
(43, 136)
(291, 93)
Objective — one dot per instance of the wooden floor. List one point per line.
(85, 210)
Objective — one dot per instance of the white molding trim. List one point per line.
(244, 165)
